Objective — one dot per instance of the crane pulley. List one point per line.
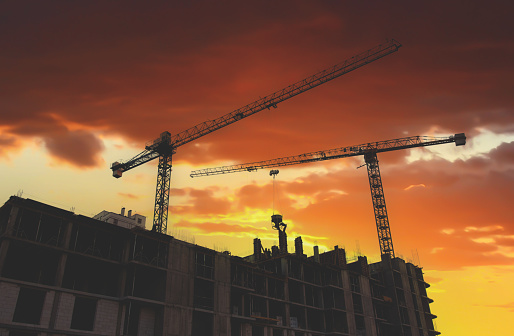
(369, 151)
(165, 146)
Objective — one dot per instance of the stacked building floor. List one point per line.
(67, 274)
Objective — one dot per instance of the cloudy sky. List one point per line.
(86, 83)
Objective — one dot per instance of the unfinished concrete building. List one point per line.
(67, 274)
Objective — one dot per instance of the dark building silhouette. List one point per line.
(67, 274)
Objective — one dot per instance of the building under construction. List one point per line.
(67, 274)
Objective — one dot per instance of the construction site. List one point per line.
(67, 274)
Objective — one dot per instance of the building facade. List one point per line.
(67, 274)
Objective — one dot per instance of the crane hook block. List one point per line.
(276, 219)
(277, 223)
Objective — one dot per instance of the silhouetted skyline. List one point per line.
(86, 84)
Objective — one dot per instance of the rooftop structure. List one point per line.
(128, 222)
(67, 274)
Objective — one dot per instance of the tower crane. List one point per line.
(166, 145)
(369, 151)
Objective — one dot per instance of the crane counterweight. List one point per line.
(117, 172)
(460, 139)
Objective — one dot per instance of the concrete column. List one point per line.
(12, 220)
(122, 282)
(367, 304)
(222, 294)
(61, 266)
(4, 244)
(178, 312)
(8, 297)
(4, 247)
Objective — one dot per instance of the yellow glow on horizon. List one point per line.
(464, 299)
(467, 300)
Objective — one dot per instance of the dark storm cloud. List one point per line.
(504, 154)
(79, 148)
(135, 70)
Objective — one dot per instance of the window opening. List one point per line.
(204, 294)
(357, 303)
(84, 312)
(202, 324)
(29, 305)
(354, 282)
(204, 265)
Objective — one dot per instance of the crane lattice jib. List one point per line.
(273, 99)
(341, 152)
(264, 103)
(369, 150)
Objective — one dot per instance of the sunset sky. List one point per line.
(87, 83)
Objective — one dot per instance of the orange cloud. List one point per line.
(8, 144)
(128, 195)
(504, 240)
(220, 228)
(421, 185)
(201, 202)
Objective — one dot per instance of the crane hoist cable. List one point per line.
(274, 173)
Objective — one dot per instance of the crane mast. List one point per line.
(165, 146)
(379, 206)
(369, 151)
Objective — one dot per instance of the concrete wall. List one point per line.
(8, 297)
(106, 318)
(178, 313)
(178, 321)
(348, 301)
(47, 309)
(367, 305)
(222, 295)
(64, 311)
(8, 300)
(146, 322)
(106, 313)
(180, 277)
